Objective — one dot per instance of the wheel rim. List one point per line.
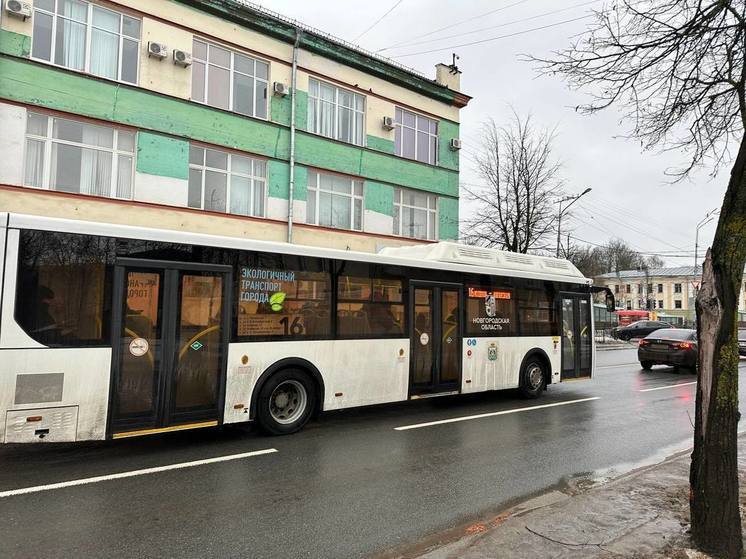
(535, 376)
(288, 401)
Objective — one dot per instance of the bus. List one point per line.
(627, 317)
(112, 331)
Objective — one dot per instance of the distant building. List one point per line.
(667, 291)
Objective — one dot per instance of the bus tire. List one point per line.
(286, 402)
(533, 377)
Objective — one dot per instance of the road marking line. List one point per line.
(133, 473)
(491, 414)
(668, 386)
(615, 366)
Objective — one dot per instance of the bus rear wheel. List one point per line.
(286, 401)
(533, 378)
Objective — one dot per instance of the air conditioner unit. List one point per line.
(388, 123)
(182, 58)
(279, 88)
(18, 9)
(157, 50)
(455, 144)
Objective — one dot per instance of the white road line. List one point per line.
(133, 473)
(616, 366)
(669, 386)
(490, 414)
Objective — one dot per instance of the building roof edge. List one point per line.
(281, 27)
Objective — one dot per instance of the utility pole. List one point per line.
(574, 199)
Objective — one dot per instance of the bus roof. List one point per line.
(441, 256)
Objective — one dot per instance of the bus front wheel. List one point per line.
(533, 378)
(286, 401)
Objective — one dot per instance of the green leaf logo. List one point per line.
(276, 301)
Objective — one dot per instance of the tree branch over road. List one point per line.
(676, 68)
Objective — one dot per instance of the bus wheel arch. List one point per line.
(532, 357)
(302, 368)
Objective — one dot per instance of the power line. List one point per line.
(479, 16)
(409, 42)
(493, 38)
(391, 9)
(607, 216)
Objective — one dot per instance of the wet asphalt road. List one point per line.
(349, 485)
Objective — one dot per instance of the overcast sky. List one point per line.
(631, 198)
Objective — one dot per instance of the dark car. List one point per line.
(639, 329)
(742, 343)
(669, 346)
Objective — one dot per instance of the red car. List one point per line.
(669, 346)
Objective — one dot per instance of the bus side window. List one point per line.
(60, 299)
(369, 307)
(279, 302)
(490, 311)
(536, 312)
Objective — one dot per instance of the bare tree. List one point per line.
(515, 209)
(678, 70)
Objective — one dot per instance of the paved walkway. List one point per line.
(643, 514)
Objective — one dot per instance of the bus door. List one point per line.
(170, 342)
(577, 341)
(435, 332)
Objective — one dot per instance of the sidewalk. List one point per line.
(643, 515)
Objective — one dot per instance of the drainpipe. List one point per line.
(293, 83)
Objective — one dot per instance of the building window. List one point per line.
(616, 289)
(660, 288)
(629, 288)
(677, 304)
(660, 303)
(416, 137)
(650, 288)
(677, 288)
(415, 214)
(226, 182)
(335, 112)
(229, 80)
(629, 305)
(334, 201)
(86, 37)
(79, 157)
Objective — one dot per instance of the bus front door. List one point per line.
(577, 341)
(170, 330)
(435, 332)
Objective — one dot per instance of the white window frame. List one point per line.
(229, 172)
(317, 102)
(49, 141)
(434, 210)
(432, 157)
(88, 33)
(231, 72)
(317, 190)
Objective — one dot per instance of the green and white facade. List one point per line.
(94, 126)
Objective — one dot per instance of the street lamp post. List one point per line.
(709, 216)
(574, 199)
(707, 219)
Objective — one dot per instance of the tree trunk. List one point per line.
(715, 515)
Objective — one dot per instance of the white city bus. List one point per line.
(113, 331)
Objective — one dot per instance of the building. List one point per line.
(225, 118)
(670, 292)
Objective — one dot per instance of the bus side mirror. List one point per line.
(610, 303)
